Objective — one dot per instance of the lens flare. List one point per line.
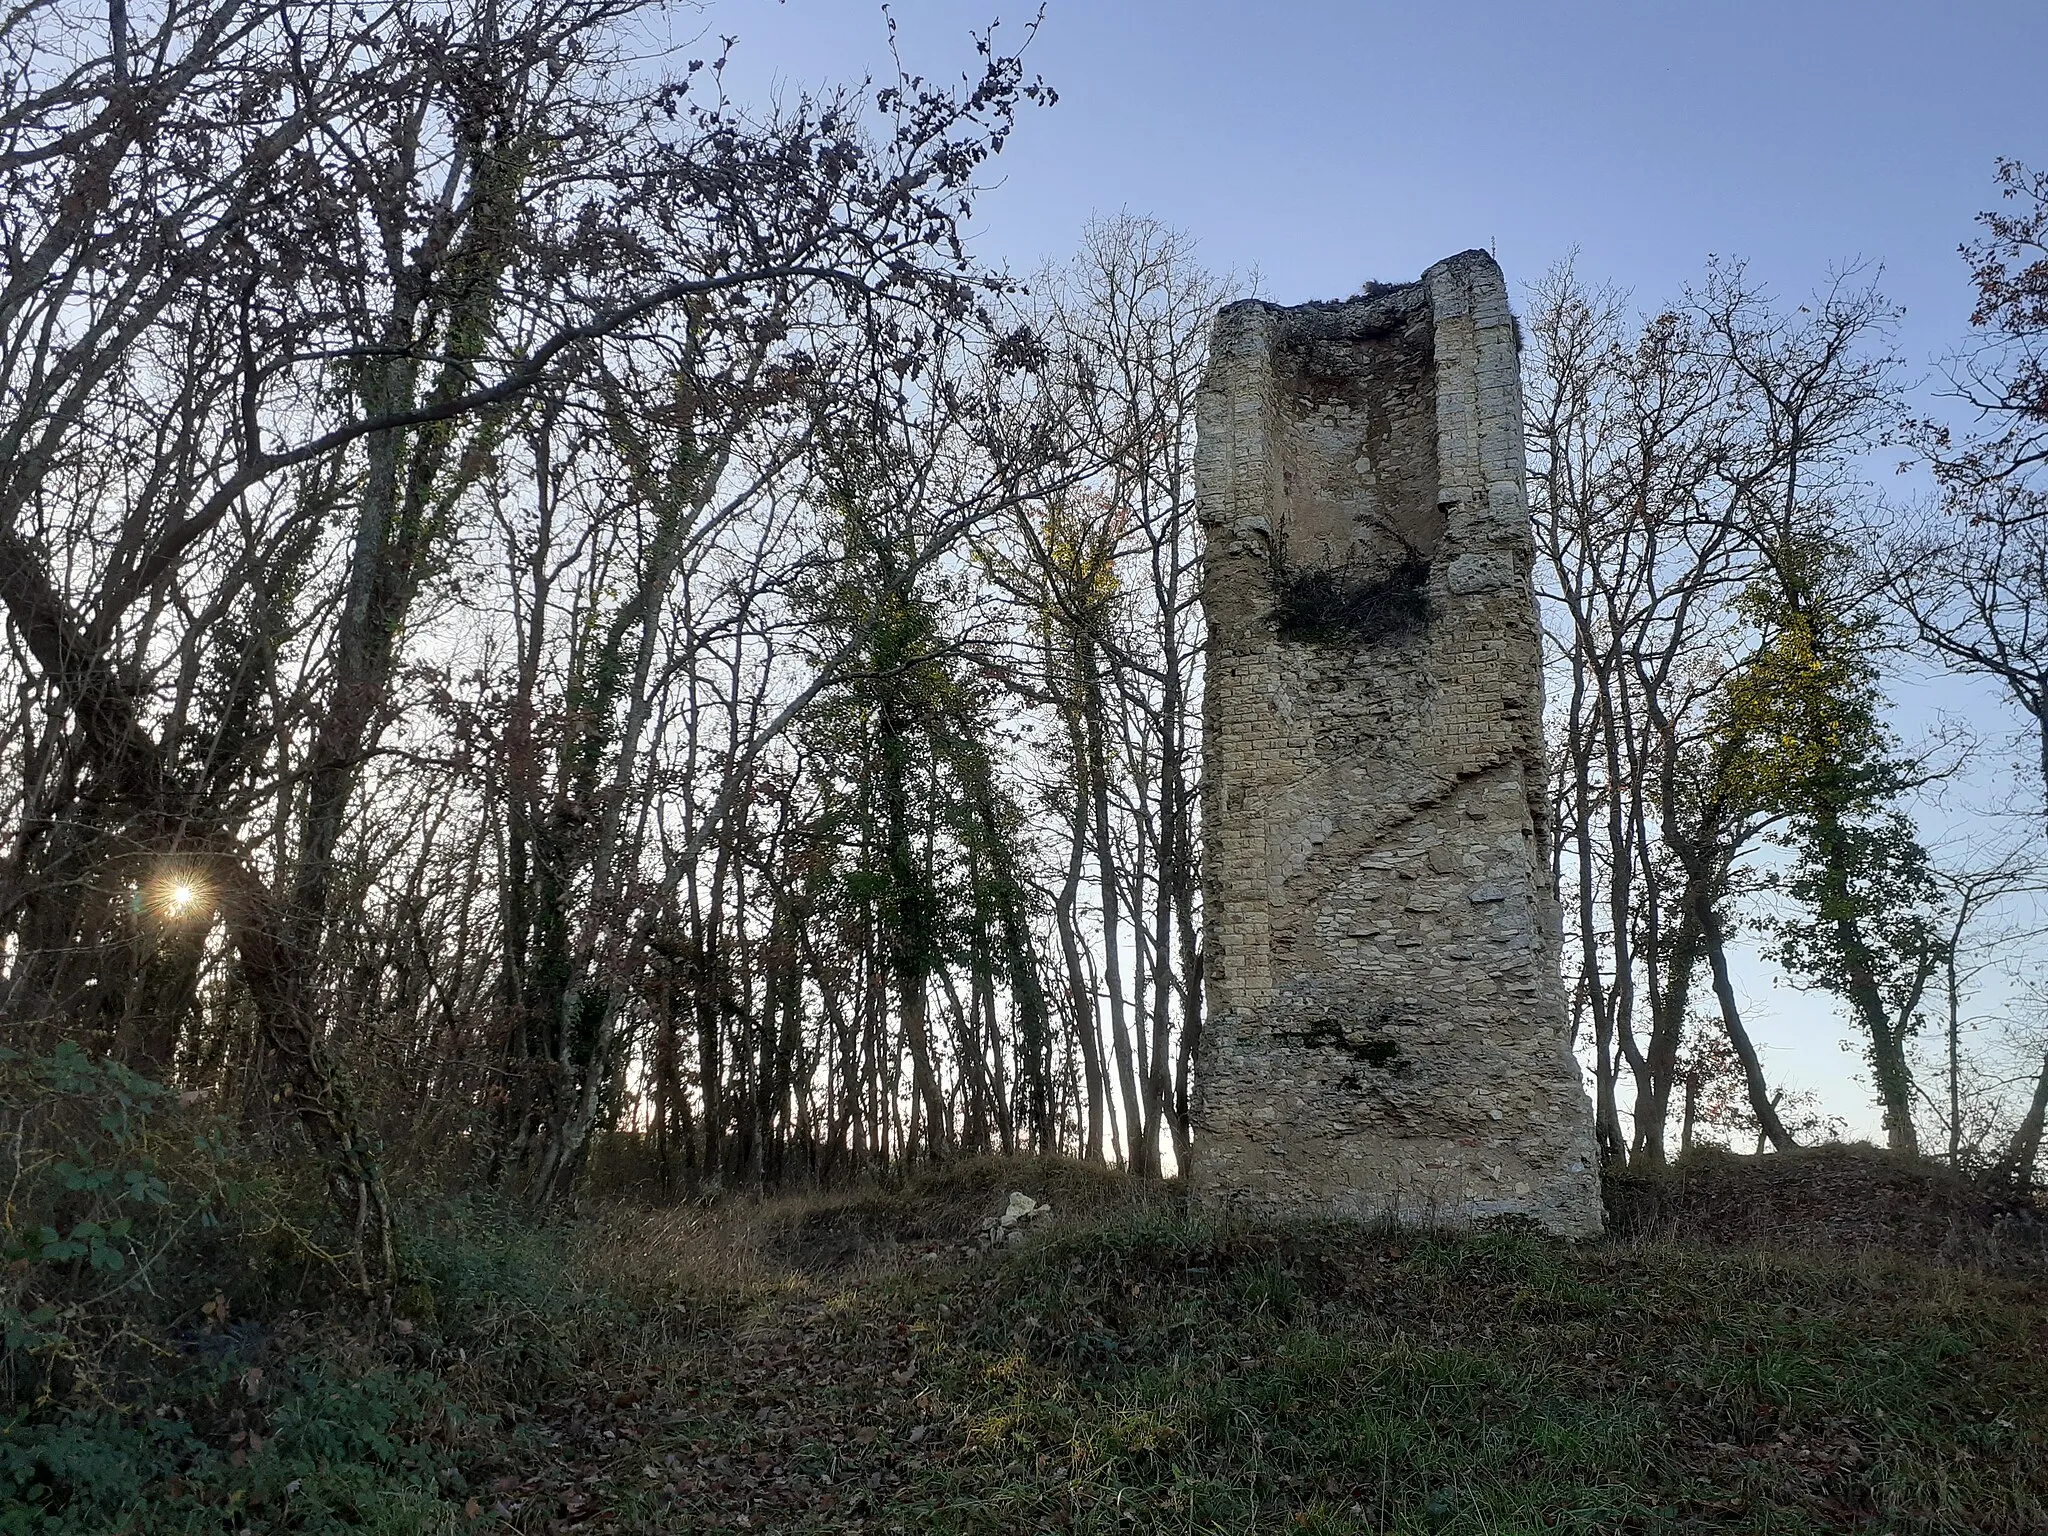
(178, 898)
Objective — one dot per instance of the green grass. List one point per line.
(1352, 1383)
(269, 1409)
(1154, 1374)
(1137, 1371)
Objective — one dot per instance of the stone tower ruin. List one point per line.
(1385, 1031)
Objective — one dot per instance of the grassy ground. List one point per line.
(1150, 1373)
(845, 1365)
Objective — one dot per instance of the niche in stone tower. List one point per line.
(1385, 1026)
(1356, 522)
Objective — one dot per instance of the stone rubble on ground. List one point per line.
(1010, 1227)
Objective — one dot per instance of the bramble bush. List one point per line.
(183, 1351)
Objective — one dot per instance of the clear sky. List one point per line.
(1328, 143)
(1325, 144)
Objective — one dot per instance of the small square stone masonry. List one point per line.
(1386, 1033)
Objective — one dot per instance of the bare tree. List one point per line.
(1675, 468)
(296, 279)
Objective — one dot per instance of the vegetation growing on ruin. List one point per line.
(1350, 604)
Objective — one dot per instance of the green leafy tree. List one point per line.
(1804, 717)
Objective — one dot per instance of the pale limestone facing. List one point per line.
(1385, 1030)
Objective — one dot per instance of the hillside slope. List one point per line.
(1139, 1370)
(851, 1364)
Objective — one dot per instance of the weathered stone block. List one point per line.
(1385, 1028)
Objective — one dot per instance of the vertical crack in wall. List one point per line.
(1386, 1032)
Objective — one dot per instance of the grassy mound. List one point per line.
(1839, 1196)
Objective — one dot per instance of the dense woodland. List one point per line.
(556, 621)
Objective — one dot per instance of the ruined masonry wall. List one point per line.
(1385, 1031)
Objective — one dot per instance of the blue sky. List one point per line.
(1324, 144)
(1329, 143)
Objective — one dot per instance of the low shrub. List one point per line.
(183, 1349)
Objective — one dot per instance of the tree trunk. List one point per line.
(1105, 868)
(1668, 1007)
(1081, 998)
(1157, 1077)
(1606, 1113)
(1760, 1102)
(1892, 1073)
(910, 937)
(2024, 1150)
